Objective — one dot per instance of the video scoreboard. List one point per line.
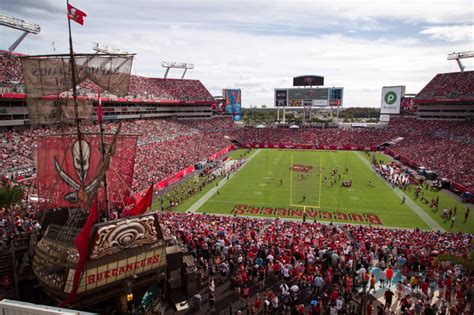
(233, 103)
(309, 97)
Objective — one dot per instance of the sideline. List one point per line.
(410, 203)
(213, 190)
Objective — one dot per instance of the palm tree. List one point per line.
(10, 195)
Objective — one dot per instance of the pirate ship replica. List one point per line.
(85, 255)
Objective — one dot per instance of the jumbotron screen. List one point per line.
(309, 97)
(233, 103)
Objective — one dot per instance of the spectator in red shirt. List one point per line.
(388, 298)
(257, 304)
(370, 308)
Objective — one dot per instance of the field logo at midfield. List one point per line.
(301, 168)
(311, 214)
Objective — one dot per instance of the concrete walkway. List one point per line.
(214, 189)
(410, 203)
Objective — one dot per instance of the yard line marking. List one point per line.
(291, 188)
(320, 179)
(291, 179)
(213, 190)
(425, 217)
(303, 206)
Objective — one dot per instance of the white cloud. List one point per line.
(452, 33)
(431, 11)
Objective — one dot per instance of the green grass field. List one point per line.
(256, 190)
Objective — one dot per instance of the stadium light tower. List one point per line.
(461, 55)
(177, 65)
(99, 48)
(19, 24)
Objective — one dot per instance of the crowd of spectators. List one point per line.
(313, 136)
(10, 68)
(16, 219)
(452, 130)
(168, 89)
(449, 85)
(319, 268)
(165, 146)
(441, 146)
(211, 125)
(156, 162)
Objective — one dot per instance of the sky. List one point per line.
(260, 45)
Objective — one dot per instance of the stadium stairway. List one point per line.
(6, 270)
(378, 295)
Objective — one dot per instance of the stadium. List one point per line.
(123, 193)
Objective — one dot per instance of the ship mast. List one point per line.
(82, 193)
(102, 150)
(74, 95)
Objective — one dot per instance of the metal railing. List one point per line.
(62, 234)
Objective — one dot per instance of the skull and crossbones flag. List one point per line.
(65, 181)
(75, 14)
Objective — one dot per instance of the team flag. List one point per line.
(82, 245)
(75, 14)
(99, 109)
(142, 205)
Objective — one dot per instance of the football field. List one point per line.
(300, 183)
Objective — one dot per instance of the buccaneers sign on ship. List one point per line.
(115, 272)
(63, 181)
(96, 277)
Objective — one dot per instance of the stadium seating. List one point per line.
(442, 146)
(449, 85)
(168, 89)
(335, 137)
(10, 68)
(170, 144)
(290, 256)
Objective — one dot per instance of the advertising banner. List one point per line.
(391, 99)
(320, 103)
(175, 177)
(281, 97)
